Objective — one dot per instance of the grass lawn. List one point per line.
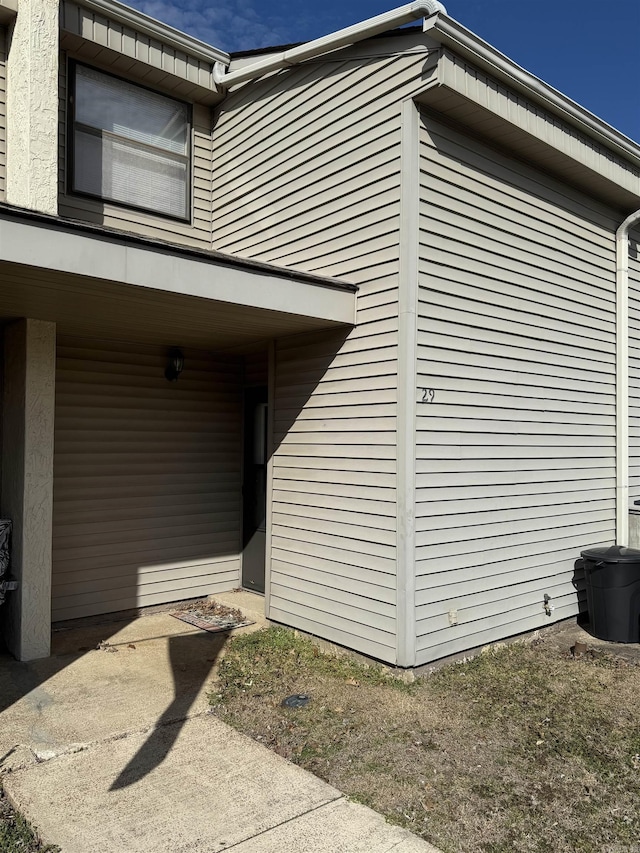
(16, 836)
(522, 748)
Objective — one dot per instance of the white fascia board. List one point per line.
(157, 30)
(461, 40)
(106, 258)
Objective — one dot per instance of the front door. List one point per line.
(254, 489)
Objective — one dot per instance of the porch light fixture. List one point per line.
(175, 366)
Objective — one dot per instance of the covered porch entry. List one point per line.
(124, 487)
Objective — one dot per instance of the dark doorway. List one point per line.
(254, 489)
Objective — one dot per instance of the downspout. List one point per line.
(622, 378)
(317, 47)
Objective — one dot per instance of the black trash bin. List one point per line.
(612, 579)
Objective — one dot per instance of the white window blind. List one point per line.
(130, 145)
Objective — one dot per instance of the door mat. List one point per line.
(212, 616)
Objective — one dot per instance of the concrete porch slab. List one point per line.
(115, 749)
(154, 669)
(338, 827)
(197, 787)
(200, 787)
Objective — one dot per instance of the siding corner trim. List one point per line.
(407, 406)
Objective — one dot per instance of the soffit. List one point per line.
(459, 90)
(133, 52)
(105, 286)
(82, 306)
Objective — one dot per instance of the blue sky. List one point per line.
(585, 48)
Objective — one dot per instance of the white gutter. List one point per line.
(341, 38)
(622, 378)
(149, 26)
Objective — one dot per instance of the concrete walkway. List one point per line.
(114, 749)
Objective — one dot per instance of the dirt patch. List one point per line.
(524, 748)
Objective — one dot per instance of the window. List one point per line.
(129, 145)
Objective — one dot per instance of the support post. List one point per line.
(27, 482)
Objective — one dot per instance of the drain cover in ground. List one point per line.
(211, 621)
(298, 700)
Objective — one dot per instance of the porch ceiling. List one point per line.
(99, 284)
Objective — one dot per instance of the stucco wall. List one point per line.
(32, 107)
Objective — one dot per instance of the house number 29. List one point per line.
(428, 395)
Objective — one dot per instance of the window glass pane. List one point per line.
(117, 170)
(107, 103)
(87, 163)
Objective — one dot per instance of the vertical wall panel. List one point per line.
(515, 456)
(634, 366)
(147, 478)
(104, 32)
(3, 110)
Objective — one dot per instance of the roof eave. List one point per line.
(155, 29)
(454, 35)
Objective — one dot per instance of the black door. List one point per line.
(254, 488)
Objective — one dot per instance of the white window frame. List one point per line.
(72, 125)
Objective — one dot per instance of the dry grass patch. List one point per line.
(520, 749)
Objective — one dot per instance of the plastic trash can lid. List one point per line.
(612, 554)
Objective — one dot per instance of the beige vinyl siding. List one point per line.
(3, 111)
(256, 367)
(515, 456)
(316, 186)
(634, 368)
(194, 233)
(146, 477)
(496, 112)
(334, 487)
(165, 65)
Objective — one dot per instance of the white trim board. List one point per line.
(104, 258)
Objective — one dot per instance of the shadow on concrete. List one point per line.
(58, 703)
(188, 682)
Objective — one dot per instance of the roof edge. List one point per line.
(9, 211)
(456, 36)
(156, 29)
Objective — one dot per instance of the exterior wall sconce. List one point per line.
(175, 366)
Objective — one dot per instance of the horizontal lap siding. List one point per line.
(256, 368)
(3, 111)
(315, 186)
(515, 457)
(334, 478)
(195, 233)
(634, 366)
(146, 478)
